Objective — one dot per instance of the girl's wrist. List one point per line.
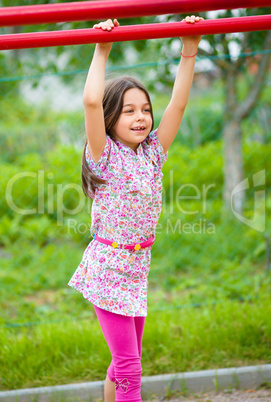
(189, 51)
(189, 57)
(102, 52)
(104, 48)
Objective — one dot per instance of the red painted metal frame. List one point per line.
(96, 10)
(135, 32)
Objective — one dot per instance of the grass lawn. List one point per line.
(226, 334)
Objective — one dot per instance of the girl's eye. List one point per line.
(128, 111)
(147, 110)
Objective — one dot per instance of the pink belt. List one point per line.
(136, 246)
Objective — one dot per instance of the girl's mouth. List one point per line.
(138, 129)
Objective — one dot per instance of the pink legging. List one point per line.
(123, 335)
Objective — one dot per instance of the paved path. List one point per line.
(251, 395)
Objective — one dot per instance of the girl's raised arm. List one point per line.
(174, 112)
(93, 95)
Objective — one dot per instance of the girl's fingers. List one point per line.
(192, 19)
(107, 25)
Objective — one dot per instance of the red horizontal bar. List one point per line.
(95, 10)
(135, 32)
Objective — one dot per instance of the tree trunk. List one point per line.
(235, 112)
(233, 165)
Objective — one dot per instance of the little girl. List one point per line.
(121, 171)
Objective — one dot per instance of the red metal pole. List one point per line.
(135, 32)
(95, 10)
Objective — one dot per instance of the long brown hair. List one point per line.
(112, 107)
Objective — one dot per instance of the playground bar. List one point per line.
(135, 32)
(96, 10)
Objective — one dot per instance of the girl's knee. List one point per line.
(128, 365)
(128, 374)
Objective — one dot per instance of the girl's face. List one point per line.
(135, 121)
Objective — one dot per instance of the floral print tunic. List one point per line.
(125, 210)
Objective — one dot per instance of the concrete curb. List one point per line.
(191, 382)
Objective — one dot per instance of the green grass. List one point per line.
(227, 334)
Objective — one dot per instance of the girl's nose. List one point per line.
(139, 116)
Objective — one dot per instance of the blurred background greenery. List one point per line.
(209, 284)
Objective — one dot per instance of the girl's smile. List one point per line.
(135, 121)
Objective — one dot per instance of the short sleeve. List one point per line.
(157, 149)
(100, 168)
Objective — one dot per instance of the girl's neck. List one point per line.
(133, 147)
